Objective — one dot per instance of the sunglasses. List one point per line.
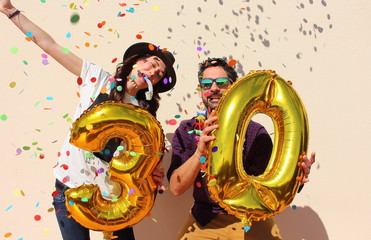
(206, 83)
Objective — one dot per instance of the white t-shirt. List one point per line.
(76, 166)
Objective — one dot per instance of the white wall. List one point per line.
(323, 47)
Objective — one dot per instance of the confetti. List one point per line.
(3, 117)
(14, 50)
(75, 18)
(172, 122)
(12, 84)
(37, 217)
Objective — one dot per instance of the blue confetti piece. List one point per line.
(29, 34)
(246, 228)
(71, 203)
(49, 98)
(8, 208)
(68, 35)
(37, 204)
(293, 207)
(203, 159)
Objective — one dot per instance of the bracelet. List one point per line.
(14, 14)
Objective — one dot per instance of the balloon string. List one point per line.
(149, 93)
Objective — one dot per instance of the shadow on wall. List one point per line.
(301, 223)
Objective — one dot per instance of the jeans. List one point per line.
(72, 230)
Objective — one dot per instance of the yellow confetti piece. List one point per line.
(156, 8)
(12, 84)
(154, 220)
(89, 127)
(51, 209)
(86, 2)
(46, 230)
(18, 192)
(73, 6)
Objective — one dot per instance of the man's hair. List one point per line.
(217, 62)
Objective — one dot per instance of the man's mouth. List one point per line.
(214, 98)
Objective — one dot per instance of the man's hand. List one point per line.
(305, 165)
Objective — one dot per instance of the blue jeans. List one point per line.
(72, 230)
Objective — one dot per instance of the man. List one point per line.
(207, 219)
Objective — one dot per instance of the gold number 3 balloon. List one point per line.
(132, 170)
(257, 197)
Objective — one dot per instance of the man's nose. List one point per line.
(214, 87)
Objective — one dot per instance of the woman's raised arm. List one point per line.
(42, 39)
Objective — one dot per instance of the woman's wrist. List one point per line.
(9, 11)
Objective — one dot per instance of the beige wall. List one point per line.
(328, 67)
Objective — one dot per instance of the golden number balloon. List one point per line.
(131, 170)
(257, 197)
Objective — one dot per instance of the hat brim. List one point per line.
(143, 48)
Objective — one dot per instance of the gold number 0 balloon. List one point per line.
(257, 197)
(132, 170)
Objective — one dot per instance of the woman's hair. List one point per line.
(122, 72)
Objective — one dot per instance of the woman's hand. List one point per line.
(6, 7)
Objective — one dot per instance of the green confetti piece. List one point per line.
(133, 154)
(84, 199)
(177, 116)
(26, 148)
(34, 143)
(14, 50)
(3, 117)
(75, 18)
(65, 115)
(65, 50)
(37, 103)
(25, 62)
(37, 130)
(120, 148)
(119, 88)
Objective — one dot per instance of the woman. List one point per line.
(145, 72)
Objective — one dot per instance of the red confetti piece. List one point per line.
(79, 81)
(172, 122)
(198, 184)
(232, 62)
(139, 36)
(93, 79)
(59, 154)
(68, 153)
(114, 60)
(122, 4)
(55, 193)
(37, 217)
(65, 179)
(64, 166)
(41, 156)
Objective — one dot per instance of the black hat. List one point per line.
(167, 57)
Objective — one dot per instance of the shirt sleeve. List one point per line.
(182, 148)
(93, 80)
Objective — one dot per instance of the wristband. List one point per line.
(14, 14)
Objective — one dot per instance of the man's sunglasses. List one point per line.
(206, 83)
